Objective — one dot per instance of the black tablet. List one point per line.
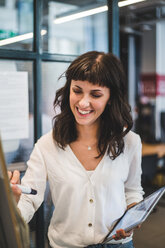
(137, 214)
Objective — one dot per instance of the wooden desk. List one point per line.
(149, 149)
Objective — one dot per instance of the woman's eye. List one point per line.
(96, 96)
(77, 91)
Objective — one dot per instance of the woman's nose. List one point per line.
(84, 102)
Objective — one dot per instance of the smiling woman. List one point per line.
(87, 102)
(95, 82)
(91, 158)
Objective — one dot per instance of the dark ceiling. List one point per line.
(141, 15)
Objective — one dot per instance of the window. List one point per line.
(51, 71)
(16, 25)
(66, 35)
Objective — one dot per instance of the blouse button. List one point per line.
(90, 224)
(91, 200)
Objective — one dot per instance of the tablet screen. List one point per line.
(136, 214)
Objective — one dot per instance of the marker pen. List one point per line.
(25, 189)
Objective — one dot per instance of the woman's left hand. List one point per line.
(121, 234)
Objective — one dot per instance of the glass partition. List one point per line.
(74, 27)
(16, 24)
(51, 71)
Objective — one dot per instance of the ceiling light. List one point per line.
(94, 11)
(81, 14)
(19, 38)
(128, 2)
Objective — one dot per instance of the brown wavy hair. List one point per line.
(103, 69)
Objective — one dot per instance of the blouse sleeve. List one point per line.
(35, 177)
(133, 189)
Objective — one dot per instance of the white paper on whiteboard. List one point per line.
(14, 112)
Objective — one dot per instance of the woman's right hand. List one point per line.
(14, 178)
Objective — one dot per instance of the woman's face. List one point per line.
(87, 101)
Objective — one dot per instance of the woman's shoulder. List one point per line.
(46, 140)
(132, 139)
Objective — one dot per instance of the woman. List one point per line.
(91, 158)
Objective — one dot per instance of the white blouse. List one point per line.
(86, 205)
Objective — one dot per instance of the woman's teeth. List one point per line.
(84, 112)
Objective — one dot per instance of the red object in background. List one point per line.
(148, 85)
(152, 85)
(160, 85)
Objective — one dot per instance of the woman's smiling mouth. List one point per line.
(83, 112)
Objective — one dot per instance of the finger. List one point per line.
(16, 177)
(121, 234)
(9, 174)
(17, 192)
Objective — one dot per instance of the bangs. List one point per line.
(92, 72)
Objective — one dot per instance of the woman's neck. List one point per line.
(88, 134)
